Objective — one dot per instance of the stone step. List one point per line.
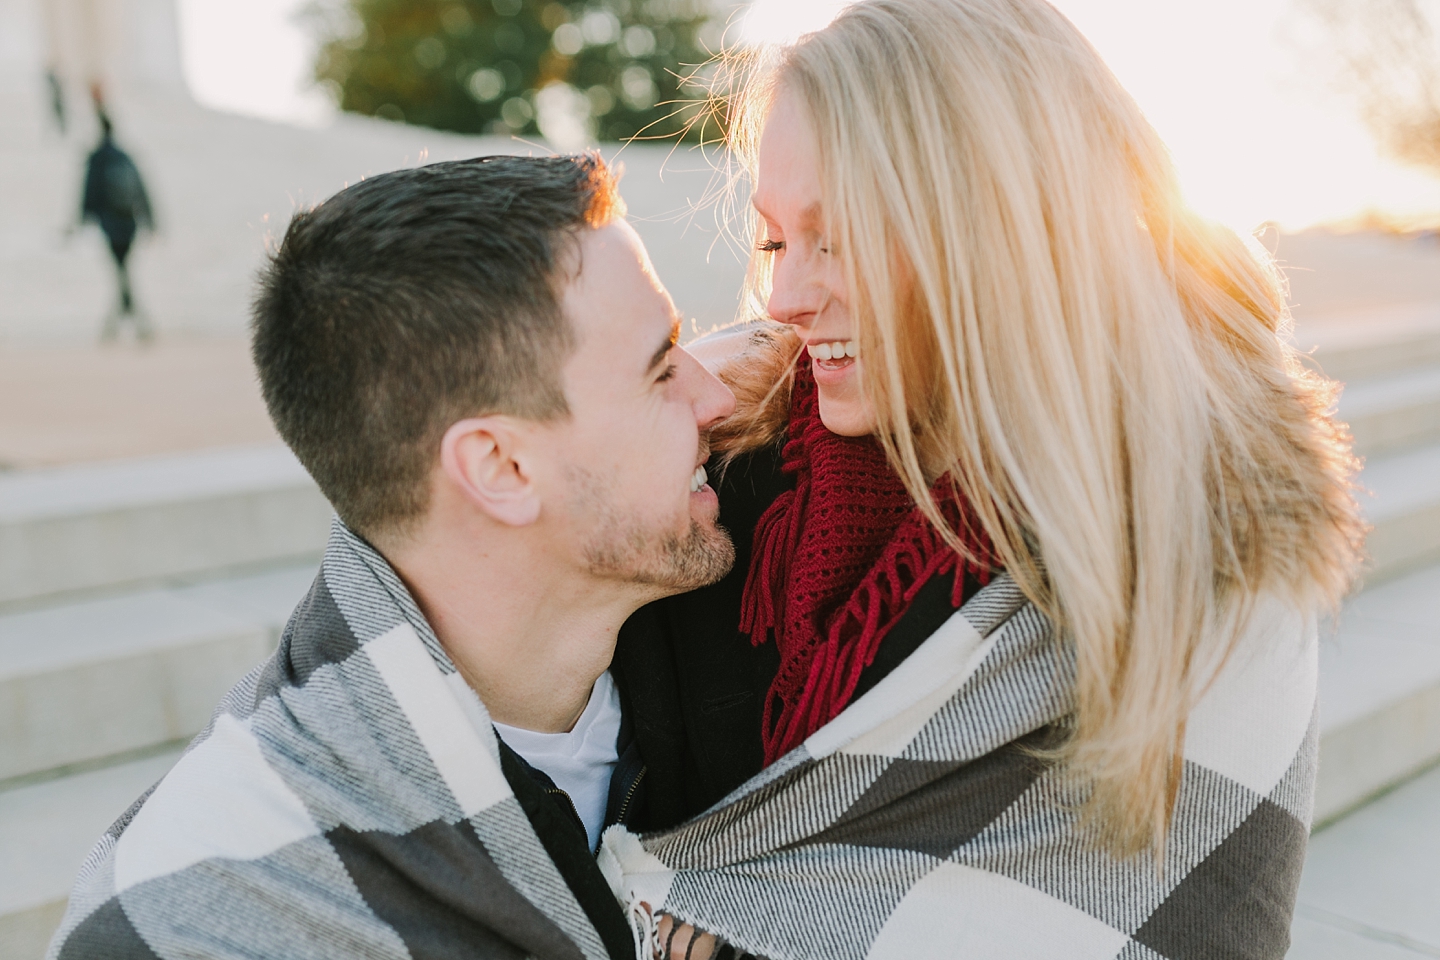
(127, 523)
(1373, 343)
(1371, 886)
(1380, 710)
(1379, 692)
(46, 831)
(1404, 511)
(106, 676)
(1394, 412)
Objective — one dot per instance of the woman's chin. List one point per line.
(847, 416)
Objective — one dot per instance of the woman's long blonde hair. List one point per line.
(1100, 371)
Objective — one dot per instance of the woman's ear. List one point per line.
(484, 459)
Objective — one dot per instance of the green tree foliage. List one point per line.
(565, 69)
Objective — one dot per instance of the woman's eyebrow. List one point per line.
(810, 217)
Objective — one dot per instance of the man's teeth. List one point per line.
(698, 478)
(833, 350)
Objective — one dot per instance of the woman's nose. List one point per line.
(791, 297)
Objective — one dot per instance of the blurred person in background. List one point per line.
(57, 98)
(115, 198)
(1034, 511)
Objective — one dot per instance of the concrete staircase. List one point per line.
(133, 594)
(1380, 662)
(75, 530)
(1369, 890)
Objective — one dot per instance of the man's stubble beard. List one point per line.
(623, 548)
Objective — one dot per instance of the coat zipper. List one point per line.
(630, 795)
(624, 804)
(571, 803)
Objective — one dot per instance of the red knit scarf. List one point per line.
(835, 565)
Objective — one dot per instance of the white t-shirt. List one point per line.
(582, 760)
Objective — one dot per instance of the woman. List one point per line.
(1024, 363)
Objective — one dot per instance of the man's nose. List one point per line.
(713, 401)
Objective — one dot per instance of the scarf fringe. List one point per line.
(819, 672)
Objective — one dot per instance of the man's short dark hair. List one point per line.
(414, 299)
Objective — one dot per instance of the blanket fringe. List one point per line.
(622, 860)
(644, 929)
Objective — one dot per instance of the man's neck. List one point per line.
(529, 636)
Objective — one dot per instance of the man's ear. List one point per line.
(485, 460)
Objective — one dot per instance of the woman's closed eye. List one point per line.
(775, 246)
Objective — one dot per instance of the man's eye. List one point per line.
(669, 374)
(770, 246)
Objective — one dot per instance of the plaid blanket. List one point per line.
(919, 824)
(347, 800)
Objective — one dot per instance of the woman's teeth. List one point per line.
(833, 350)
(698, 478)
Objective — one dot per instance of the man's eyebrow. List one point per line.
(670, 341)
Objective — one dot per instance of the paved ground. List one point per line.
(224, 188)
(1339, 275)
(1371, 889)
(70, 400)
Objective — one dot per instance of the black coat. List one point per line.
(692, 689)
(695, 686)
(115, 196)
(552, 813)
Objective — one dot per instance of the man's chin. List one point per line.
(708, 555)
(724, 554)
(671, 564)
(704, 556)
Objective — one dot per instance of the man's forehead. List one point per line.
(616, 303)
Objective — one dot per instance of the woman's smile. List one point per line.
(833, 361)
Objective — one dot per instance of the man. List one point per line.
(115, 198)
(477, 365)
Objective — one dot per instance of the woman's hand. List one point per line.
(683, 942)
(714, 349)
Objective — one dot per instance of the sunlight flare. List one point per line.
(783, 21)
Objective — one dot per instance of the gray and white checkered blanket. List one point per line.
(347, 800)
(919, 824)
